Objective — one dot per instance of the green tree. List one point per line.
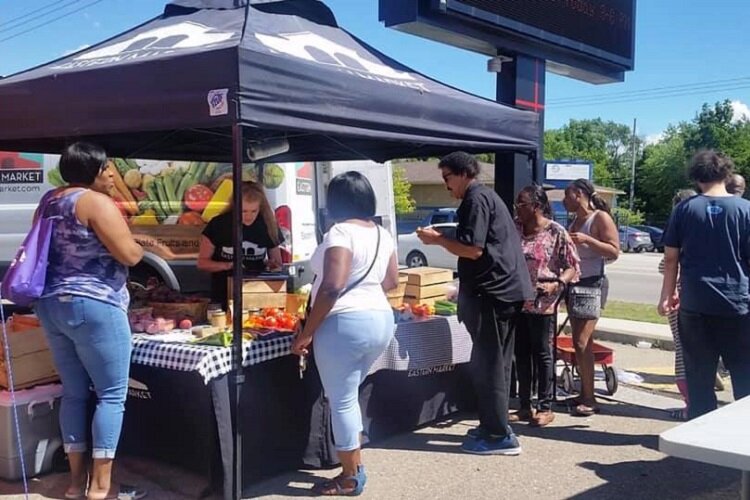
(606, 144)
(662, 168)
(402, 199)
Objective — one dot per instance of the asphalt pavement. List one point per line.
(634, 277)
(613, 455)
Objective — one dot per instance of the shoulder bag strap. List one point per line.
(308, 304)
(372, 264)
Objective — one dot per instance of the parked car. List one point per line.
(634, 240)
(656, 236)
(413, 253)
(423, 217)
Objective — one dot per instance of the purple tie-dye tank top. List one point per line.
(79, 264)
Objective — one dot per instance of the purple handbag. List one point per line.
(23, 283)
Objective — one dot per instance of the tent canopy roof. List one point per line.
(172, 87)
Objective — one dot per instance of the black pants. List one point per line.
(533, 349)
(705, 338)
(491, 325)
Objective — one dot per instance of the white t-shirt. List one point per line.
(361, 241)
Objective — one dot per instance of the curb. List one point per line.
(631, 332)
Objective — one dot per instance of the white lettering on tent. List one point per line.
(314, 48)
(152, 43)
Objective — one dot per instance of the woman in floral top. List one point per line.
(553, 263)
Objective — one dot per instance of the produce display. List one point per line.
(151, 192)
(273, 318)
(155, 291)
(405, 312)
(142, 320)
(445, 308)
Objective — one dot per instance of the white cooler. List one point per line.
(38, 418)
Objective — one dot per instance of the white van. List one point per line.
(173, 200)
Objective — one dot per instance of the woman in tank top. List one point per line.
(83, 310)
(594, 232)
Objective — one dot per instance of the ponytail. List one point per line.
(600, 203)
(595, 200)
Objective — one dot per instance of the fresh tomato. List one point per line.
(197, 197)
(270, 312)
(271, 322)
(286, 323)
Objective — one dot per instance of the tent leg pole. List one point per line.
(238, 377)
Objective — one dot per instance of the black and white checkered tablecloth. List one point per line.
(210, 361)
(425, 344)
(416, 345)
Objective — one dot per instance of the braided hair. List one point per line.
(595, 200)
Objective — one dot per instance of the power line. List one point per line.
(666, 95)
(627, 93)
(50, 21)
(12, 20)
(39, 16)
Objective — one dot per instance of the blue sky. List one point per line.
(678, 42)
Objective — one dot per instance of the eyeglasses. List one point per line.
(521, 204)
(447, 176)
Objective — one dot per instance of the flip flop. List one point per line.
(75, 496)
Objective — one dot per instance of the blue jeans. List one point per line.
(90, 343)
(345, 347)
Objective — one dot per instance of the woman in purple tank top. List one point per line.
(83, 310)
(594, 232)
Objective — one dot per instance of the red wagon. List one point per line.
(603, 355)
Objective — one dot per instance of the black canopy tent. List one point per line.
(217, 79)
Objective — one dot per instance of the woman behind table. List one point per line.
(83, 311)
(349, 326)
(553, 263)
(260, 241)
(595, 235)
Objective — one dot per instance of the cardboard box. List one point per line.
(424, 276)
(418, 292)
(31, 360)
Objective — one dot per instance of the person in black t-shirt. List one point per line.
(260, 241)
(494, 283)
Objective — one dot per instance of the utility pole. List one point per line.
(632, 171)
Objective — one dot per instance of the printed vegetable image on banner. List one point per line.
(172, 200)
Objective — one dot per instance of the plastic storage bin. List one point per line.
(38, 413)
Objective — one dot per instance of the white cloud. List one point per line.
(741, 111)
(654, 138)
(72, 51)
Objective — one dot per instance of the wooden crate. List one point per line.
(418, 292)
(424, 276)
(430, 301)
(31, 359)
(261, 300)
(261, 293)
(396, 296)
(259, 286)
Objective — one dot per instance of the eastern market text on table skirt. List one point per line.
(180, 410)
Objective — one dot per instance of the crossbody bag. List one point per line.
(585, 297)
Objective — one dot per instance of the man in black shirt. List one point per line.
(494, 283)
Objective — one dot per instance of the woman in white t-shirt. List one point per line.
(351, 321)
